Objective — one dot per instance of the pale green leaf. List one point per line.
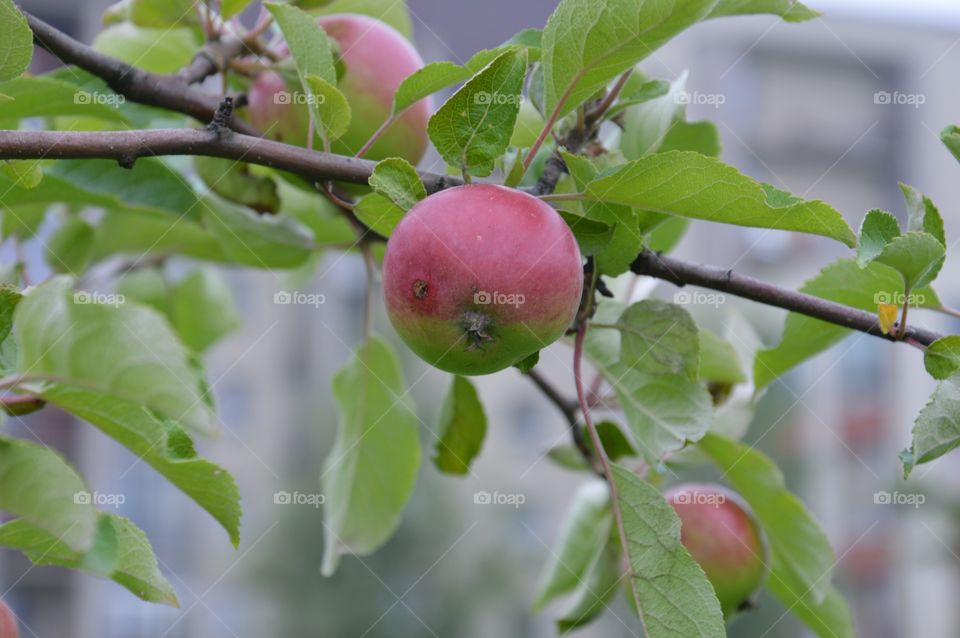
(230, 8)
(235, 182)
(162, 445)
(69, 248)
(102, 344)
(436, 76)
(645, 125)
(23, 173)
(596, 592)
(121, 552)
(202, 309)
(922, 213)
(587, 43)
(393, 12)
(329, 107)
(719, 361)
(918, 257)
(397, 179)
(462, 428)
(308, 42)
(830, 618)
(789, 10)
(158, 50)
(688, 184)
(260, 241)
(937, 428)
(659, 338)
(669, 587)
(163, 13)
(16, 41)
(878, 229)
(582, 538)
(950, 136)
(701, 137)
(37, 485)
(663, 411)
(942, 357)
(473, 127)
(371, 470)
(378, 213)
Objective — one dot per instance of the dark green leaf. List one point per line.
(462, 428)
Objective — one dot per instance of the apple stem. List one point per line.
(601, 453)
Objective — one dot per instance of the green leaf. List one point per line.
(582, 538)
(235, 182)
(230, 8)
(163, 13)
(462, 428)
(646, 125)
(917, 256)
(16, 41)
(202, 309)
(950, 136)
(587, 43)
(9, 298)
(878, 229)
(701, 137)
(435, 76)
(260, 241)
(843, 282)
(308, 43)
(169, 49)
(664, 411)
(125, 350)
(121, 552)
(597, 590)
(668, 586)
(69, 248)
(138, 235)
(378, 213)
(473, 127)
(937, 428)
(799, 546)
(789, 10)
(149, 187)
(687, 184)
(37, 485)
(153, 441)
(923, 214)
(24, 173)
(830, 618)
(370, 472)
(659, 338)
(397, 179)
(329, 106)
(942, 357)
(719, 361)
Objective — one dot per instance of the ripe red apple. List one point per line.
(8, 622)
(720, 532)
(478, 277)
(376, 58)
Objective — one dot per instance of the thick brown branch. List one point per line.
(165, 91)
(680, 272)
(127, 146)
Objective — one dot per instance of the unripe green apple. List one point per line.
(376, 59)
(478, 277)
(8, 622)
(720, 532)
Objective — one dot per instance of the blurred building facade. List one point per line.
(810, 108)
